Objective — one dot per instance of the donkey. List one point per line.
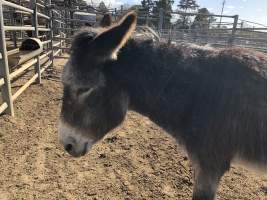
(212, 101)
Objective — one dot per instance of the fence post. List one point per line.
(50, 14)
(147, 19)
(232, 37)
(4, 69)
(160, 25)
(13, 22)
(71, 22)
(115, 13)
(36, 34)
(170, 35)
(60, 33)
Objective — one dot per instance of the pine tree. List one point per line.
(188, 4)
(102, 7)
(147, 6)
(203, 21)
(166, 6)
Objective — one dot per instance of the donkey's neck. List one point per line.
(156, 79)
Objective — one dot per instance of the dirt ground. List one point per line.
(136, 161)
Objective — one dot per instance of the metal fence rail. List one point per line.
(229, 31)
(40, 62)
(54, 26)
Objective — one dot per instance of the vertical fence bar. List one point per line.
(50, 14)
(60, 33)
(4, 69)
(36, 34)
(21, 33)
(232, 37)
(160, 25)
(170, 35)
(71, 22)
(13, 22)
(115, 14)
(147, 18)
(66, 22)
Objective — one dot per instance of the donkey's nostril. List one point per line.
(68, 147)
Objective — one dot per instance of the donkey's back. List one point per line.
(228, 112)
(218, 99)
(215, 101)
(223, 114)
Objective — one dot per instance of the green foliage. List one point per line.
(102, 7)
(202, 21)
(82, 2)
(188, 4)
(71, 3)
(136, 8)
(166, 6)
(147, 5)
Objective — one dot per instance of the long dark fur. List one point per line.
(213, 101)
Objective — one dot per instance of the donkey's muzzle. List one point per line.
(73, 142)
(70, 148)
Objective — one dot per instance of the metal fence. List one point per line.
(14, 26)
(51, 24)
(217, 30)
(54, 26)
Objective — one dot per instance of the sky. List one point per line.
(252, 10)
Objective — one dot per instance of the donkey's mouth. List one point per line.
(77, 153)
(74, 143)
(85, 149)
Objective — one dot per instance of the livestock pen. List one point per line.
(136, 161)
(11, 36)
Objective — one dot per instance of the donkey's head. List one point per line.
(92, 104)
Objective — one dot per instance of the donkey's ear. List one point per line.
(111, 40)
(106, 21)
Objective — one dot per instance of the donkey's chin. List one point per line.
(74, 143)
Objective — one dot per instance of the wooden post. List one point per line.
(4, 69)
(232, 37)
(36, 34)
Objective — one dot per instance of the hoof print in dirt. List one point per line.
(185, 158)
(107, 164)
(112, 139)
(102, 155)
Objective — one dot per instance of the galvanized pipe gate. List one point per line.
(41, 61)
(59, 27)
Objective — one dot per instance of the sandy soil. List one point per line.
(136, 161)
